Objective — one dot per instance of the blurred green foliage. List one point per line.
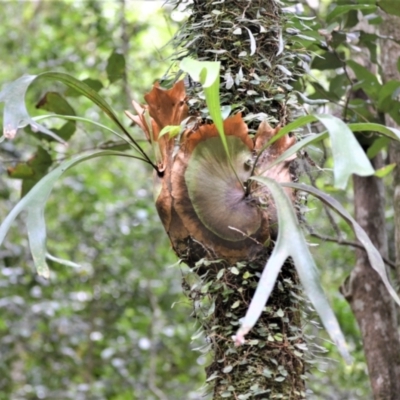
(117, 326)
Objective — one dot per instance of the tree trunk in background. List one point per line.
(372, 306)
(369, 300)
(271, 363)
(390, 53)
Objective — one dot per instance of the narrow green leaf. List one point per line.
(391, 133)
(348, 155)
(340, 10)
(34, 203)
(82, 119)
(297, 123)
(16, 114)
(207, 73)
(342, 153)
(297, 147)
(291, 242)
(95, 84)
(382, 172)
(87, 91)
(374, 256)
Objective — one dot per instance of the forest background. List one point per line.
(117, 325)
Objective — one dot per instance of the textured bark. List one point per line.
(367, 296)
(271, 363)
(390, 52)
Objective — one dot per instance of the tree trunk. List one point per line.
(244, 37)
(390, 52)
(371, 303)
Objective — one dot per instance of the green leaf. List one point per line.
(297, 123)
(374, 256)
(297, 147)
(389, 6)
(207, 73)
(327, 60)
(377, 146)
(40, 164)
(82, 119)
(85, 90)
(54, 102)
(173, 130)
(340, 10)
(34, 203)
(367, 81)
(15, 113)
(347, 153)
(95, 84)
(387, 131)
(382, 172)
(338, 85)
(115, 67)
(386, 98)
(349, 157)
(291, 243)
(20, 171)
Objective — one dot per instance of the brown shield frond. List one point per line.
(200, 192)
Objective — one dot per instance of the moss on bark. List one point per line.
(256, 70)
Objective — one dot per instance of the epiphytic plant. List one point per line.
(214, 185)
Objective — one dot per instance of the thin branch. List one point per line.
(342, 242)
